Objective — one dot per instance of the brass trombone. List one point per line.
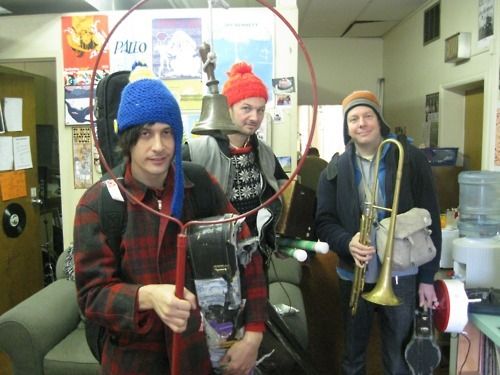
(382, 293)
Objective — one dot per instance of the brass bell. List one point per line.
(214, 114)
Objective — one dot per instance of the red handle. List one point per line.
(180, 273)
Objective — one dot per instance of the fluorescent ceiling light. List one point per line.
(103, 5)
(4, 11)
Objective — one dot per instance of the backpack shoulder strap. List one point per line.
(332, 167)
(112, 219)
(112, 215)
(202, 204)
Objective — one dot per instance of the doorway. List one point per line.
(462, 119)
(473, 137)
(45, 135)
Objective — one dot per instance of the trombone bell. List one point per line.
(382, 294)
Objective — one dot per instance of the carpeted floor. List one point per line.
(320, 289)
(5, 368)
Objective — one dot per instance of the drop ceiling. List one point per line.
(317, 18)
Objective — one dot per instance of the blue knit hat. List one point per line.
(146, 99)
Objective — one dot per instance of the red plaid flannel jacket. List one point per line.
(139, 343)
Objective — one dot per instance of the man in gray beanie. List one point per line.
(128, 288)
(342, 188)
(367, 99)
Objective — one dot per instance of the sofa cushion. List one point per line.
(71, 356)
(291, 295)
(284, 269)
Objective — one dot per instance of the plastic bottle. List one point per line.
(479, 203)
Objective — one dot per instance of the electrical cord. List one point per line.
(466, 336)
(280, 282)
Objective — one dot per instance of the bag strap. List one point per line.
(113, 216)
(202, 206)
(332, 167)
(112, 213)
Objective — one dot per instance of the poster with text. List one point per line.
(244, 36)
(82, 157)
(131, 42)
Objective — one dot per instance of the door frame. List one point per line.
(451, 131)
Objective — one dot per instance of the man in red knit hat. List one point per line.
(249, 174)
(245, 167)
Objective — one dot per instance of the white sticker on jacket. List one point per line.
(114, 190)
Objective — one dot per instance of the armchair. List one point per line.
(284, 278)
(44, 334)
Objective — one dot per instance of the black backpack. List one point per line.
(113, 221)
(108, 95)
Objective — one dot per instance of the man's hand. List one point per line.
(427, 296)
(241, 357)
(173, 311)
(361, 253)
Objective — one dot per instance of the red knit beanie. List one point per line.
(242, 84)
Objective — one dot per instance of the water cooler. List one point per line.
(449, 234)
(476, 253)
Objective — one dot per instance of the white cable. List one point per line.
(265, 356)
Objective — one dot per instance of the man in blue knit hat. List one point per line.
(130, 291)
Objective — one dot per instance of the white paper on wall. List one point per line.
(22, 153)
(13, 114)
(6, 154)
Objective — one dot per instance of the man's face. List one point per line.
(247, 114)
(363, 125)
(152, 155)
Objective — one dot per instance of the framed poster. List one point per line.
(82, 157)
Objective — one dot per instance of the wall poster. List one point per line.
(82, 156)
(485, 23)
(431, 126)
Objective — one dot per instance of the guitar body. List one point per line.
(422, 353)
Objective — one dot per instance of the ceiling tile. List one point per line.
(369, 29)
(317, 18)
(389, 10)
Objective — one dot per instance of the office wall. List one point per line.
(341, 65)
(412, 70)
(38, 38)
